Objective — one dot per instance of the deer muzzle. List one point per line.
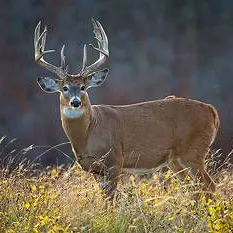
(75, 102)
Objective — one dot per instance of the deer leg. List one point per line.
(198, 172)
(107, 181)
(109, 172)
(111, 177)
(194, 158)
(177, 167)
(100, 180)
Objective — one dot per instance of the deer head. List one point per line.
(72, 87)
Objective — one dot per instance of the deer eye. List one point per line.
(82, 88)
(65, 88)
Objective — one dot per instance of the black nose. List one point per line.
(75, 103)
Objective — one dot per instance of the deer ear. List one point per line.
(48, 85)
(97, 78)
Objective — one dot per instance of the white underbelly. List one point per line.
(139, 171)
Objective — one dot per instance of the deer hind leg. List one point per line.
(194, 159)
(176, 166)
(178, 169)
(198, 172)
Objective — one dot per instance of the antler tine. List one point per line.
(102, 42)
(63, 58)
(39, 44)
(37, 34)
(99, 29)
(84, 57)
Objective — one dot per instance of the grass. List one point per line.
(69, 200)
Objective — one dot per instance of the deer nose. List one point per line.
(75, 102)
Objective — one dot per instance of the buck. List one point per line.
(107, 139)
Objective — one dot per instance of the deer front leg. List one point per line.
(109, 173)
(108, 181)
(106, 170)
(111, 177)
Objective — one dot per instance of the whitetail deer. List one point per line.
(107, 139)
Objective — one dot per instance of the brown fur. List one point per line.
(173, 131)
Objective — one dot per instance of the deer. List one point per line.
(108, 140)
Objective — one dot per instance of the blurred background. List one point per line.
(157, 48)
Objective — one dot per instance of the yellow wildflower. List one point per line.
(27, 205)
(34, 230)
(42, 189)
(171, 218)
(33, 188)
(10, 231)
(44, 220)
(4, 181)
(217, 226)
(211, 210)
(54, 173)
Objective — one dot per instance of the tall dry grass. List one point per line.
(69, 200)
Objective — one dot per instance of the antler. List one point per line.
(39, 44)
(102, 48)
(62, 72)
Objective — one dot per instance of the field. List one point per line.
(69, 200)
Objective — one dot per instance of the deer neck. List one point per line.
(77, 124)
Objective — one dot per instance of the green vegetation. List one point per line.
(70, 201)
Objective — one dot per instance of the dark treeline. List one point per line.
(157, 48)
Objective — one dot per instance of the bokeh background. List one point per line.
(157, 48)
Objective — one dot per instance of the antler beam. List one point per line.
(102, 41)
(39, 44)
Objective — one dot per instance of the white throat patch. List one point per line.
(72, 113)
